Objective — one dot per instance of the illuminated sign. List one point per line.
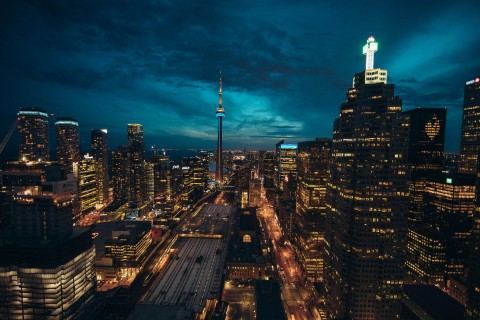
(476, 80)
(185, 168)
(288, 146)
(449, 180)
(175, 166)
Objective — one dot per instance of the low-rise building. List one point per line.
(245, 258)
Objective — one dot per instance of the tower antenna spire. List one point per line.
(220, 115)
(220, 91)
(369, 50)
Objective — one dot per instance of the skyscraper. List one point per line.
(470, 141)
(137, 176)
(68, 143)
(269, 169)
(33, 135)
(99, 147)
(120, 174)
(425, 153)
(472, 311)
(220, 116)
(426, 138)
(286, 158)
(312, 177)
(135, 139)
(367, 201)
(87, 184)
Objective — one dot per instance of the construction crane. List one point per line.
(8, 136)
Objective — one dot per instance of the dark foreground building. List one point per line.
(46, 265)
(473, 283)
(268, 300)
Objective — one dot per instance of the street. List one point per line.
(296, 294)
(241, 301)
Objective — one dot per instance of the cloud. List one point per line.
(286, 66)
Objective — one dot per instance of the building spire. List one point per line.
(220, 110)
(220, 115)
(369, 50)
(220, 92)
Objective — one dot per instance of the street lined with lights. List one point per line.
(296, 294)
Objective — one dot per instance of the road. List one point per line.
(296, 294)
(241, 301)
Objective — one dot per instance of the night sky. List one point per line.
(286, 64)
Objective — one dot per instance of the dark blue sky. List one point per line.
(286, 64)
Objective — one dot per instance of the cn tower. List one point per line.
(220, 115)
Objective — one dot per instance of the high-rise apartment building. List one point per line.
(367, 201)
(33, 135)
(470, 141)
(46, 265)
(99, 149)
(312, 176)
(68, 143)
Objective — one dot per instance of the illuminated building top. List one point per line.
(66, 122)
(32, 112)
(476, 80)
(369, 50)
(371, 75)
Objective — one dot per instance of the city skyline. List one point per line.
(284, 73)
(371, 219)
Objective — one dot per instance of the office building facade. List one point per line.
(470, 141)
(286, 162)
(99, 150)
(472, 310)
(87, 185)
(137, 175)
(312, 176)
(68, 144)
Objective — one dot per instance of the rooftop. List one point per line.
(432, 301)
